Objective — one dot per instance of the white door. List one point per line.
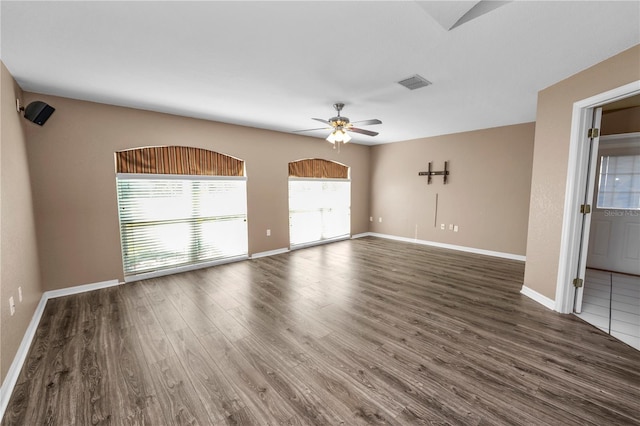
(614, 242)
(593, 141)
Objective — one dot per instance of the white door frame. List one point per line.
(589, 186)
(575, 187)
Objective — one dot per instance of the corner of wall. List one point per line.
(19, 265)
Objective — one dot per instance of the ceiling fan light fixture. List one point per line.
(340, 125)
(332, 137)
(338, 135)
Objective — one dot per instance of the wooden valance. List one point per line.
(318, 168)
(178, 160)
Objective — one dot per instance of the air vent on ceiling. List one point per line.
(414, 82)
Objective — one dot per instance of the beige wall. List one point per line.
(621, 121)
(71, 160)
(72, 180)
(487, 195)
(550, 160)
(19, 256)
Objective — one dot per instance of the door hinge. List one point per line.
(577, 282)
(585, 208)
(593, 133)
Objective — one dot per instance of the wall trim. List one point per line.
(364, 234)
(620, 140)
(537, 297)
(180, 269)
(484, 252)
(67, 291)
(21, 355)
(571, 221)
(319, 243)
(269, 253)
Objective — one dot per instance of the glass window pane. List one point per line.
(318, 210)
(167, 223)
(622, 200)
(624, 164)
(618, 183)
(155, 246)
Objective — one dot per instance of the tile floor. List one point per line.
(611, 302)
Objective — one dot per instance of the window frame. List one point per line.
(322, 240)
(129, 276)
(599, 193)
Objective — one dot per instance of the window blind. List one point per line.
(319, 210)
(168, 221)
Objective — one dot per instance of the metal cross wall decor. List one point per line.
(444, 173)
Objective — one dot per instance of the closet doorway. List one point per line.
(611, 295)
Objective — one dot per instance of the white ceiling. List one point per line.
(274, 65)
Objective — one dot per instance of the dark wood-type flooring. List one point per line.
(355, 332)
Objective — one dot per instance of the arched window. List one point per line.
(319, 202)
(179, 208)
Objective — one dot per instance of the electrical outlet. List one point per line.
(442, 226)
(19, 294)
(370, 218)
(451, 227)
(18, 106)
(268, 232)
(12, 306)
(380, 219)
(455, 228)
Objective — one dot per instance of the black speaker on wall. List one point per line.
(38, 112)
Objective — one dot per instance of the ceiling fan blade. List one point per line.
(364, 132)
(368, 122)
(322, 121)
(308, 130)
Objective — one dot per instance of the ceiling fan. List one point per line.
(340, 125)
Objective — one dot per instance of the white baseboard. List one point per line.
(52, 294)
(180, 269)
(450, 246)
(541, 299)
(319, 243)
(269, 253)
(286, 250)
(18, 361)
(365, 234)
(21, 355)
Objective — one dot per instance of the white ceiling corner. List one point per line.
(447, 13)
(452, 14)
(275, 65)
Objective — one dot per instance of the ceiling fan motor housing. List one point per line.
(339, 121)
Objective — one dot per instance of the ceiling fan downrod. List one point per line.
(339, 121)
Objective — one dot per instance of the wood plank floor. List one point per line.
(366, 331)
